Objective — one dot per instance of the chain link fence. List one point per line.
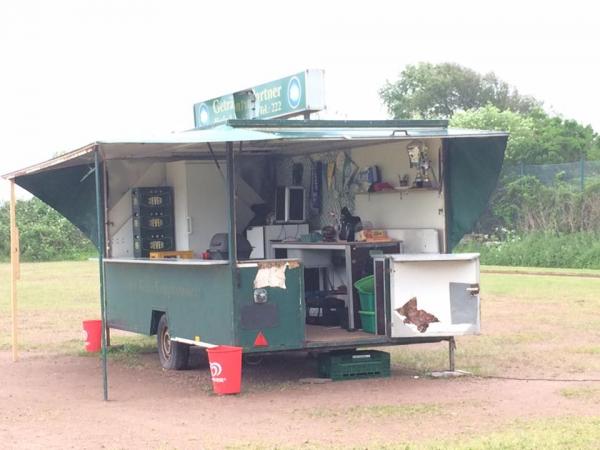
(580, 173)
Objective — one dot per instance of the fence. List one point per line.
(580, 173)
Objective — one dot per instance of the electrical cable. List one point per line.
(499, 377)
(567, 380)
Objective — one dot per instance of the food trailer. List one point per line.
(233, 233)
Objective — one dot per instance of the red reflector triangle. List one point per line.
(261, 340)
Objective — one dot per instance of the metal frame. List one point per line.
(101, 251)
(292, 146)
(340, 247)
(231, 217)
(283, 123)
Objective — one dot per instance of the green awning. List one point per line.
(473, 163)
(472, 170)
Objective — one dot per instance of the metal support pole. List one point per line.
(101, 250)
(451, 351)
(231, 216)
(582, 173)
(14, 265)
(108, 250)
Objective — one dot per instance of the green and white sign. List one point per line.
(286, 97)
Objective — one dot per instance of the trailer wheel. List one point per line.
(172, 355)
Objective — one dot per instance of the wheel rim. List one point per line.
(165, 343)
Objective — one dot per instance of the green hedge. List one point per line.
(45, 235)
(575, 250)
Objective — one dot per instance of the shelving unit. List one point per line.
(400, 192)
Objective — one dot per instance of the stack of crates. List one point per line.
(153, 220)
(350, 365)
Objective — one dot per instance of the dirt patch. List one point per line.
(52, 398)
(56, 402)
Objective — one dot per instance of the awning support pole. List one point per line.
(14, 265)
(231, 216)
(101, 249)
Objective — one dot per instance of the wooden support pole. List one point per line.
(14, 265)
(18, 253)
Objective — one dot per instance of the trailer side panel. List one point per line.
(197, 299)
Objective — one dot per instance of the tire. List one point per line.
(172, 355)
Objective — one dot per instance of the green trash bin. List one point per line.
(366, 292)
(367, 319)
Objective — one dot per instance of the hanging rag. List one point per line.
(330, 174)
(340, 166)
(316, 185)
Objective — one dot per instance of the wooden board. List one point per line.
(317, 333)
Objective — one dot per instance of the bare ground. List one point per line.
(56, 402)
(533, 327)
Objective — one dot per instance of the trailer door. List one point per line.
(430, 295)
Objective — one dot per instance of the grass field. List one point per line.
(532, 326)
(53, 299)
(570, 433)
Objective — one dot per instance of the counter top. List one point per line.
(167, 261)
(428, 257)
(329, 245)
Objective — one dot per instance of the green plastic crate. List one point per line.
(366, 292)
(350, 365)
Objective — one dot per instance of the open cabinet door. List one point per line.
(434, 295)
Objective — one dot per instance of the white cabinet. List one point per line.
(434, 295)
(200, 203)
(260, 238)
(201, 206)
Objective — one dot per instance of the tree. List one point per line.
(432, 91)
(535, 138)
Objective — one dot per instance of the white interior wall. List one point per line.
(200, 203)
(406, 209)
(122, 176)
(206, 203)
(176, 178)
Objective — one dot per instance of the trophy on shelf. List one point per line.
(419, 159)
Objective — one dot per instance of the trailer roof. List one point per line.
(260, 137)
(473, 161)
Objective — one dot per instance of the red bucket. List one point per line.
(93, 331)
(226, 369)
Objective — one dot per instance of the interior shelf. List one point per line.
(398, 191)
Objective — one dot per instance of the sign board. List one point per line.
(290, 96)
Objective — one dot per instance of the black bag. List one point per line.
(328, 311)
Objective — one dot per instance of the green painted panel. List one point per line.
(278, 98)
(196, 298)
(71, 191)
(284, 333)
(473, 168)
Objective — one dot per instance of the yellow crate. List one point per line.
(184, 254)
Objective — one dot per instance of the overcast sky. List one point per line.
(78, 71)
